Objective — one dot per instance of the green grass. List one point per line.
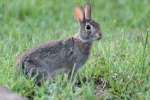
(121, 58)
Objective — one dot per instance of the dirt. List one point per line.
(101, 86)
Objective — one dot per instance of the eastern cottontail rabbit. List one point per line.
(64, 55)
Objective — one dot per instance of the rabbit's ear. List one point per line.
(79, 14)
(87, 11)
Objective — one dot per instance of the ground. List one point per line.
(119, 65)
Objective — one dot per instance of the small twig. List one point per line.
(144, 50)
(72, 72)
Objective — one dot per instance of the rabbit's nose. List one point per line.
(99, 36)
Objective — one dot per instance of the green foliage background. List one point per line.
(122, 57)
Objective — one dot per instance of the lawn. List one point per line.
(121, 59)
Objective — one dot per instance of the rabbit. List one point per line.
(62, 56)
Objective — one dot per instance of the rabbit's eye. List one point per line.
(88, 27)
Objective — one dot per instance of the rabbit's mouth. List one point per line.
(99, 36)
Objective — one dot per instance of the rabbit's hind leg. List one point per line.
(35, 72)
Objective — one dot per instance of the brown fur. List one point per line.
(49, 59)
